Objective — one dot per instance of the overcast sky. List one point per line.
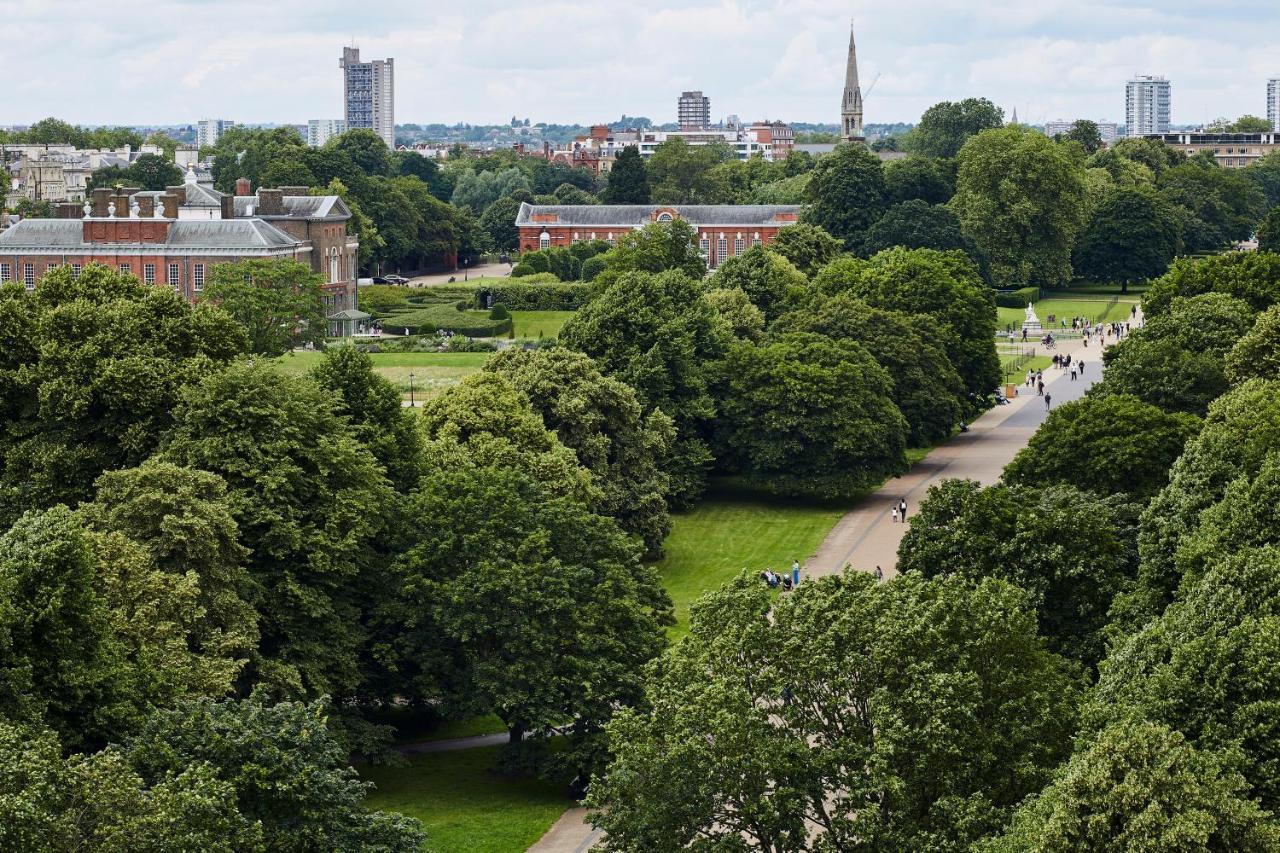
(481, 61)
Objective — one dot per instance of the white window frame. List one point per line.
(127, 269)
(29, 276)
(739, 245)
(149, 273)
(665, 217)
(4, 272)
(197, 278)
(755, 239)
(722, 249)
(544, 240)
(174, 278)
(75, 270)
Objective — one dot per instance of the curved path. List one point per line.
(867, 537)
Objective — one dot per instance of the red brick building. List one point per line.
(173, 237)
(724, 230)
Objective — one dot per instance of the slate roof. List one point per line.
(197, 196)
(30, 234)
(636, 215)
(298, 207)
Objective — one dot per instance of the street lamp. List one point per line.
(464, 268)
(411, 405)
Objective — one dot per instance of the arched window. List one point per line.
(738, 245)
(544, 241)
(664, 217)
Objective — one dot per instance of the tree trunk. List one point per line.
(515, 734)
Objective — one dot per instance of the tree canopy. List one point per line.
(945, 127)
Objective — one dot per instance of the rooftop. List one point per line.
(248, 234)
(636, 215)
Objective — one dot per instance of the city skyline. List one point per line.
(756, 59)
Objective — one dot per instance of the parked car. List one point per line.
(390, 279)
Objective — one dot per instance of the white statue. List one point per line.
(134, 208)
(88, 210)
(158, 213)
(1031, 315)
(111, 208)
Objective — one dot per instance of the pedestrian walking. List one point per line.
(1080, 366)
(879, 573)
(894, 513)
(902, 507)
(1040, 387)
(1048, 400)
(795, 572)
(1073, 374)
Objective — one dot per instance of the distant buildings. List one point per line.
(723, 230)
(369, 93)
(209, 130)
(851, 105)
(1230, 150)
(321, 130)
(1108, 130)
(771, 140)
(693, 111)
(1148, 104)
(59, 172)
(1273, 103)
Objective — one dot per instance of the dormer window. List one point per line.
(664, 217)
(544, 240)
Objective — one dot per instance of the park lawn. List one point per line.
(734, 529)
(1099, 310)
(539, 324)
(433, 372)
(463, 805)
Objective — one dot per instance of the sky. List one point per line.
(482, 61)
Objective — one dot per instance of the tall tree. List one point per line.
(1132, 236)
(1021, 198)
(1086, 133)
(628, 179)
(366, 149)
(902, 716)
(278, 303)
(847, 193)
(806, 414)
(807, 246)
(766, 277)
(1269, 231)
(680, 173)
(916, 225)
(915, 178)
(944, 128)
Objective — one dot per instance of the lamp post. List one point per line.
(465, 262)
(411, 404)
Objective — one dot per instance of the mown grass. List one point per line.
(433, 372)
(465, 806)
(539, 324)
(1103, 309)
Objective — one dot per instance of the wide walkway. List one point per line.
(867, 536)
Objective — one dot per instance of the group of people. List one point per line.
(788, 581)
(1065, 362)
(899, 510)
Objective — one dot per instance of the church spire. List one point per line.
(851, 108)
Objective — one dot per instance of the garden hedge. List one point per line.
(425, 320)
(1017, 298)
(536, 297)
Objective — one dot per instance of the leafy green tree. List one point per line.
(628, 179)
(1109, 445)
(945, 127)
(1250, 124)
(806, 414)
(914, 178)
(366, 149)
(286, 771)
(37, 209)
(808, 247)
(916, 225)
(1222, 205)
(744, 319)
(847, 193)
(792, 190)
(926, 387)
(1070, 550)
(1207, 668)
(278, 303)
(1133, 236)
(1021, 198)
(850, 715)
(478, 190)
(599, 418)
(148, 172)
(1152, 153)
(1139, 787)
(770, 280)
(288, 173)
(1251, 276)
(1257, 353)
(1269, 231)
(244, 152)
(499, 219)
(569, 194)
(1086, 133)
(423, 168)
(184, 520)
(90, 372)
(655, 248)
(98, 802)
(1265, 174)
(372, 404)
(680, 173)
(309, 499)
(658, 334)
(1241, 430)
(945, 287)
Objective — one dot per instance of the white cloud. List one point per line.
(135, 61)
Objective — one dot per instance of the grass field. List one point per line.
(535, 324)
(464, 805)
(1100, 310)
(432, 371)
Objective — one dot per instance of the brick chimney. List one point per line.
(178, 192)
(170, 202)
(228, 203)
(146, 206)
(270, 202)
(122, 205)
(296, 190)
(70, 210)
(243, 187)
(101, 197)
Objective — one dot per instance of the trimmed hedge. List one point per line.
(536, 297)
(474, 324)
(1017, 298)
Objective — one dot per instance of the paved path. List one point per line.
(472, 274)
(868, 537)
